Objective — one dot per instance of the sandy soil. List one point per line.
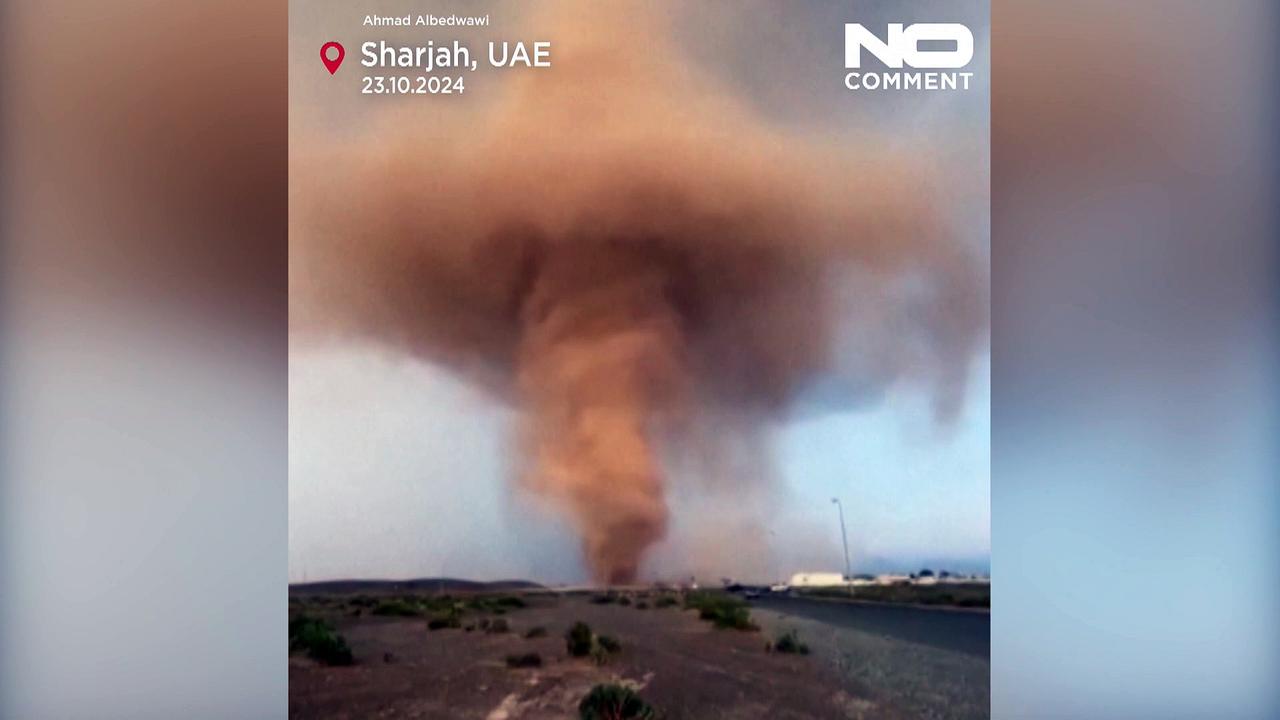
(679, 664)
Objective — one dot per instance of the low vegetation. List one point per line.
(498, 625)
(789, 643)
(721, 610)
(580, 641)
(536, 632)
(614, 702)
(525, 660)
(320, 641)
(440, 622)
(511, 602)
(397, 608)
(609, 643)
(444, 611)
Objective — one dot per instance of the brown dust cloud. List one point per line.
(622, 251)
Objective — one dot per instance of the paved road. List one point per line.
(963, 631)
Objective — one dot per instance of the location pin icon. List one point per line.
(332, 64)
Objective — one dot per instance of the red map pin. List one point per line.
(332, 64)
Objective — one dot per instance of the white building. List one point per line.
(890, 579)
(817, 579)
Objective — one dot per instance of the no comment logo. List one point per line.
(934, 52)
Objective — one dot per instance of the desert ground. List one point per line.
(505, 656)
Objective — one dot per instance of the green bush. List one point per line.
(624, 600)
(397, 608)
(536, 632)
(441, 622)
(599, 655)
(789, 642)
(319, 640)
(493, 605)
(610, 644)
(578, 639)
(440, 603)
(723, 611)
(614, 702)
(297, 622)
(642, 605)
(737, 618)
(524, 661)
(605, 598)
(666, 601)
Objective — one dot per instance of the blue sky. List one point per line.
(914, 493)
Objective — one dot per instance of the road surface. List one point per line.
(960, 630)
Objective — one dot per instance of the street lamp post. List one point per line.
(843, 537)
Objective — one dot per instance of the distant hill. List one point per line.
(416, 584)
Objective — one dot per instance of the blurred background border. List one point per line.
(1135, 508)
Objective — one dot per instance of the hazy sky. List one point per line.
(398, 469)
